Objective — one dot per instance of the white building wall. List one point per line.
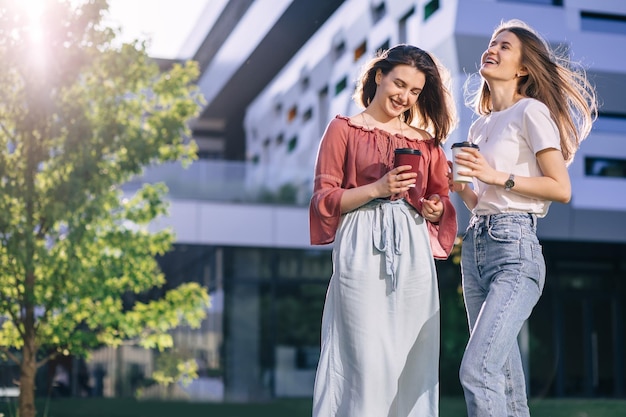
(233, 224)
(457, 34)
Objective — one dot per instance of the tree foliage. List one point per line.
(80, 115)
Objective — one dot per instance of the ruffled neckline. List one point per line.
(379, 130)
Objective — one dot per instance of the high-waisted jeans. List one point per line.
(503, 273)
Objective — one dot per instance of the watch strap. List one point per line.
(510, 183)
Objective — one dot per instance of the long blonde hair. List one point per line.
(558, 82)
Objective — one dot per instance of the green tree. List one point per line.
(175, 366)
(80, 114)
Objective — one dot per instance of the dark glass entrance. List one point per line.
(590, 349)
(578, 327)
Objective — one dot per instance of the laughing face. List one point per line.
(399, 89)
(502, 59)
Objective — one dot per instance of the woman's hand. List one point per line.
(474, 165)
(455, 187)
(396, 181)
(432, 208)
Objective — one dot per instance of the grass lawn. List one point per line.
(450, 407)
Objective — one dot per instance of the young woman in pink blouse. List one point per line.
(380, 326)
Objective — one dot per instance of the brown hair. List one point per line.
(556, 81)
(434, 110)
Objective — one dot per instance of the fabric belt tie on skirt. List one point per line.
(384, 235)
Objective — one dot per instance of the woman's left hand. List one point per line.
(432, 208)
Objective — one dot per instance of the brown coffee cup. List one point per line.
(407, 156)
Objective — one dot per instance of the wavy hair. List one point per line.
(555, 80)
(434, 110)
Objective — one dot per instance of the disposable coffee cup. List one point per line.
(407, 156)
(456, 148)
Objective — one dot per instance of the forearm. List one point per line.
(469, 197)
(354, 198)
(542, 188)
(553, 185)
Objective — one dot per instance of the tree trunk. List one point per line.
(29, 351)
(28, 370)
(28, 367)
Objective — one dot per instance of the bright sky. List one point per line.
(167, 23)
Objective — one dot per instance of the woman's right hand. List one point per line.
(396, 181)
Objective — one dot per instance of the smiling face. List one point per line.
(399, 89)
(502, 61)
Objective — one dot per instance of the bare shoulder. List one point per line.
(357, 120)
(415, 133)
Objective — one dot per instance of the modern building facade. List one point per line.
(274, 73)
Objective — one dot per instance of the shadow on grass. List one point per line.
(450, 407)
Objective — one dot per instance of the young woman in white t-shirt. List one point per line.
(535, 109)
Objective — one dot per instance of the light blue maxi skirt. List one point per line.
(380, 325)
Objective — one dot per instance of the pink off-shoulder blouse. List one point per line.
(350, 156)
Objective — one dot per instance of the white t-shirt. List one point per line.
(509, 141)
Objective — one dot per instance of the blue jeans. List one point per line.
(503, 276)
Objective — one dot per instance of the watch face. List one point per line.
(509, 183)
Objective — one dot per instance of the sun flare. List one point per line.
(34, 11)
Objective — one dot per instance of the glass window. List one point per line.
(291, 145)
(293, 112)
(341, 85)
(431, 7)
(384, 46)
(603, 22)
(378, 12)
(306, 116)
(605, 167)
(402, 25)
(360, 51)
(339, 49)
(545, 2)
(610, 122)
(306, 81)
